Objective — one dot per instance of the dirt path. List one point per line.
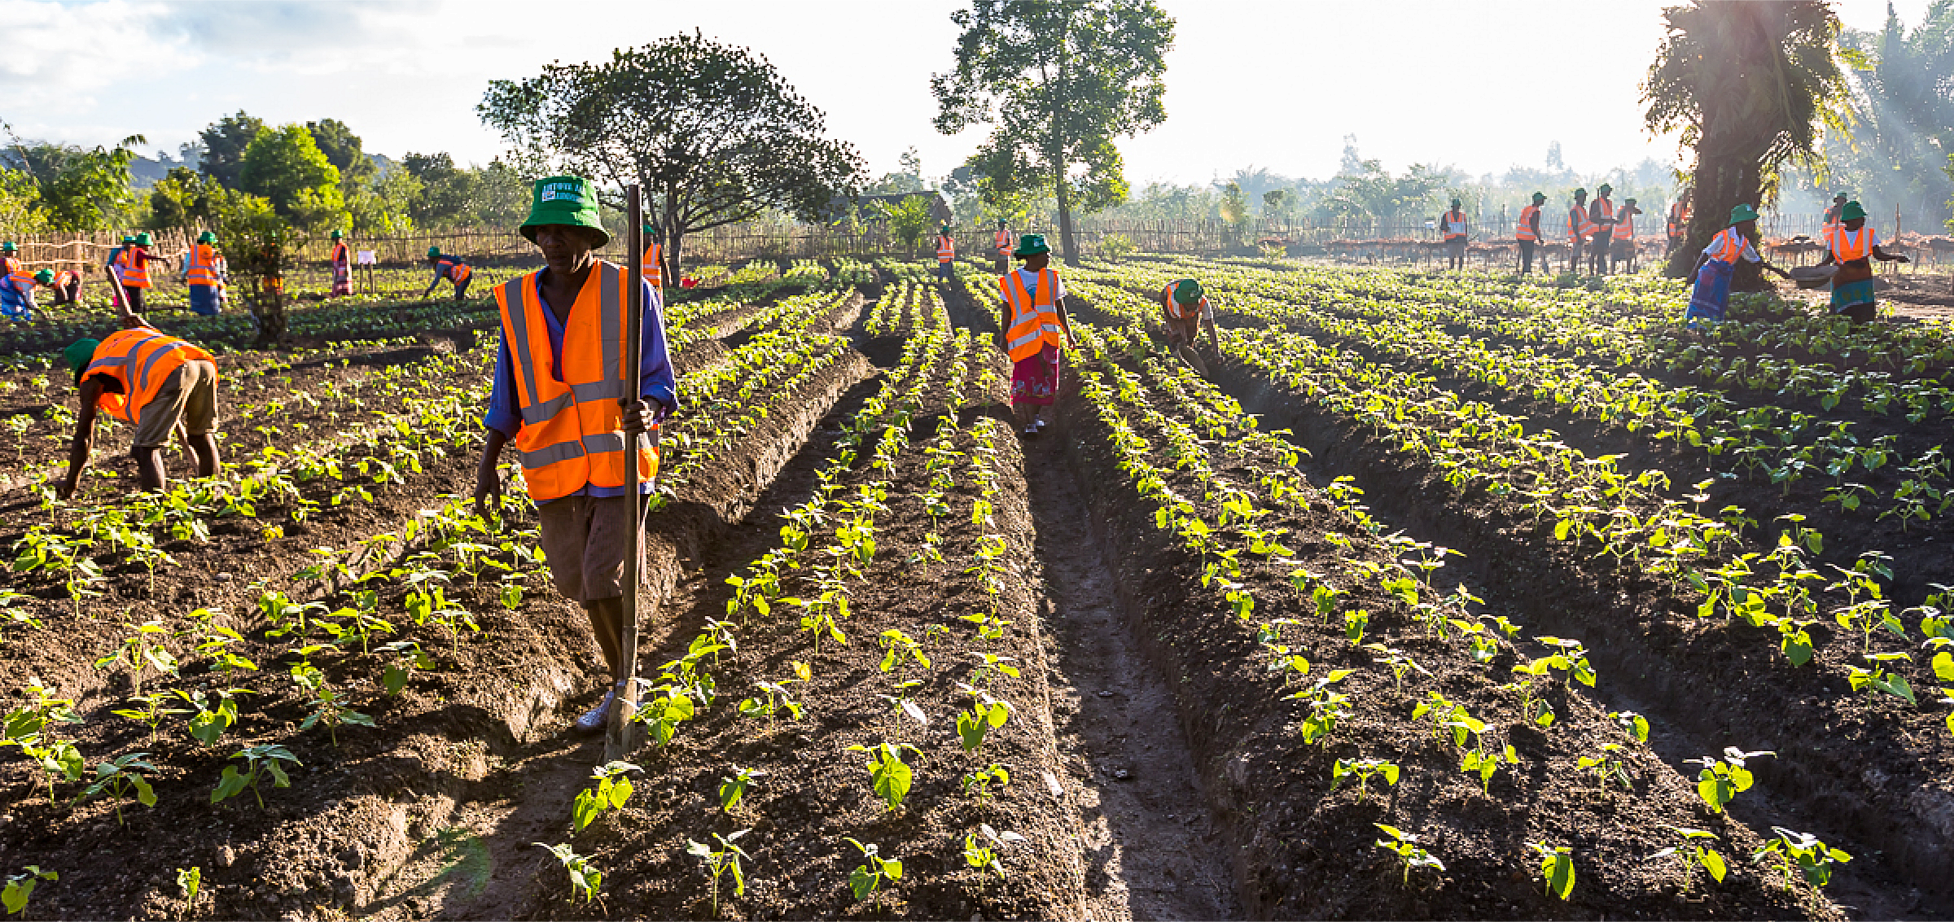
(1152, 850)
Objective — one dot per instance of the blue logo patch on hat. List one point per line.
(562, 190)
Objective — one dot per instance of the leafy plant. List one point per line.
(1692, 850)
(874, 873)
(21, 886)
(1804, 851)
(1557, 866)
(720, 861)
(983, 782)
(1410, 853)
(189, 881)
(118, 777)
(986, 713)
(612, 790)
(1721, 780)
(1363, 770)
(890, 776)
(326, 704)
(262, 759)
(584, 876)
(140, 651)
(1606, 765)
(733, 788)
(980, 849)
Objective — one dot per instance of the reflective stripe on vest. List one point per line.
(454, 270)
(140, 360)
(1034, 318)
(200, 265)
(1525, 229)
(1848, 245)
(1179, 311)
(572, 430)
(654, 270)
(1625, 227)
(1727, 246)
(946, 249)
(1003, 240)
(1600, 208)
(1455, 229)
(135, 269)
(1577, 219)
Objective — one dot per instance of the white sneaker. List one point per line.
(1039, 424)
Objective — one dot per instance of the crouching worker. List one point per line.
(559, 395)
(156, 383)
(1187, 310)
(449, 268)
(1710, 297)
(65, 284)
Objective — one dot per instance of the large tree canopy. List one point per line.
(224, 142)
(1058, 81)
(710, 131)
(1749, 85)
(287, 167)
(76, 188)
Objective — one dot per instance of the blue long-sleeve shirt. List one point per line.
(657, 381)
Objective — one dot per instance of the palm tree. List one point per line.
(1749, 85)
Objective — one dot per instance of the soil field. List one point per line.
(1441, 596)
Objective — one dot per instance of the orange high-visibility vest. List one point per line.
(339, 253)
(654, 270)
(1678, 219)
(1600, 208)
(141, 360)
(1179, 312)
(200, 265)
(1625, 227)
(1003, 240)
(454, 269)
(1848, 245)
(1034, 316)
(64, 278)
(572, 433)
(1455, 225)
(135, 269)
(946, 248)
(1578, 223)
(1727, 246)
(9, 265)
(1524, 231)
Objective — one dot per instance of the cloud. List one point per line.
(64, 56)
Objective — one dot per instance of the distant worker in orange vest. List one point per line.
(203, 272)
(559, 395)
(946, 255)
(1832, 219)
(65, 284)
(1527, 231)
(158, 385)
(341, 262)
(1624, 249)
(654, 265)
(1035, 331)
(1678, 225)
(1453, 223)
(450, 268)
(130, 268)
(1578, 228)
(1853, 248)
(16, 286)
(1001, 243)
(1601, 215)
(1185, 310)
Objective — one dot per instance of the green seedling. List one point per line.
(1633, 724)
(1364, 770)
(189, 881)
(662, 713)
(612, 790)
(263, 759)
(986, 713)
(21, 886)
(772, 700)
(900, 704)
(1326, 707)
(142, 651)
(28, 729)
(733, 788)
(874, 874)
(1877, 678)
(114, 779)
(889, 775)
(405, 656)
(1606, 766)
(214, 713)
(1557, 867)
(584, 876)
(721, 861)
(899, 648)
(1410, 854)
(1721, 780)
(984, 782)
(980, 849)
(990, 666)
(1693, 849)
(1804, 851)
(151, 712)
(327, 708)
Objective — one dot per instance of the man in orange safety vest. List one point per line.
(1453, 223)
(1601, 219)
(1001, 243)
(1624, 235)
(1527, 232)
(1578, 228)
(155, 383)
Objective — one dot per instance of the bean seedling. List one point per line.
(980, 849)
(889, 775)
(733, 788)
(584, 877)
(722, 860)
(1557, 866)
(119, 777)
(265, 758)
(1804, 851)
(1364, 770)
(1691, 850)
(1721, 780)
(613, 789)
(1410, 853)
(869, 878)
(21, 886)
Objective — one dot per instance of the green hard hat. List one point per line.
(44, 277)
(143, 239)
(208, 237)
(336, 234)
(434, 252)
(1187, 291)
(80, 352)
(564, 200)
(1604, 189)
(1742, 213)
(1030, 245)
(1540, 196)
(8, 247)
(1852, 210)
(1580, 192)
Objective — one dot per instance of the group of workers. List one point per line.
(1601, 230)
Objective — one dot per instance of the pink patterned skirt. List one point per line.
(1034, 380)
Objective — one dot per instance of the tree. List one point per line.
(342, 148)
(19, 203)
(1748, 85)
(181, 200)
(75, 188)
(384, 206)
(1904, 108)
(709, 131)
(286, 166)
(1058, 81)
(253, 237)
(223, 146)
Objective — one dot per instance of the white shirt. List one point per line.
(1030, 278)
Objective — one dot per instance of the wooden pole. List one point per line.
(618, 736)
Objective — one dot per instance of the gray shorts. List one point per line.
(189, 394)
(584, 542)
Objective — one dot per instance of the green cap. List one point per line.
(336, 234)
(80, 352)
(1187, 291)
(1840, 197)
(1580, 192)
(434, 252)
(142, 239)
(1742, 213)
(650, 231)
(1455, 203)
(1852, 210)
(208, 237)
(1628, 201)
(44, 277)
(946, 230)
(1001, 223)
(565, 200)
(1605, 189)
(1030, 245)
(8, 247)
(1540, 196)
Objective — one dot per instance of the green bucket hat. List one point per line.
(434, 252)
(44, 277)
(1187, 291)
(1742, 213)
(1840, 197)
(1540, 196)
(208, 237)
(1030, 245)
(1455, 203)
(1852, 210)
(946, 230)
(8, 247)
(143, 239)
(1604, 189)
(1580, 192)
(79, 353)
(1001, 223)
(336, 234)
(566, 200)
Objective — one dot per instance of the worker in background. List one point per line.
(558, 397)
(1453, 223)
(946, 254)
(132, 270)
(16, 287)
(654, 265)
(1035, 331)
(1001, 242)
(113, 269)
(1601, 215)
(1710, 298)
(203, 272)
(1678, 220)
(1578, 228)
(1527, 231)
(341, 263)
(449, 268)
(65, 284)
(10, 258)
(1832, 219)
(1853, 248)
(1185, 310)
(1624, 248)
(155, 383)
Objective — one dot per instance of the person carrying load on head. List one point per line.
(341, 263)
(1456, 233)
(1035, 331)
(203, 272)
(559, 395)
(1853, 248)
(1601, 217)
(16, 286)
(131, 268)
(449, 268)
(66, 285)
(1678, 219)
(1001, 242)
(1527, 231)
(1718, 262)
(157, 384)
(1186, 309)
(1578, 228)
(1624, 236)
(946, 254)
(654, 266)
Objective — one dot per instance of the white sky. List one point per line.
(1478, 84)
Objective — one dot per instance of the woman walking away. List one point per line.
(1035, 331)
(342, 267)
(1718, 262)
(1853, 246)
